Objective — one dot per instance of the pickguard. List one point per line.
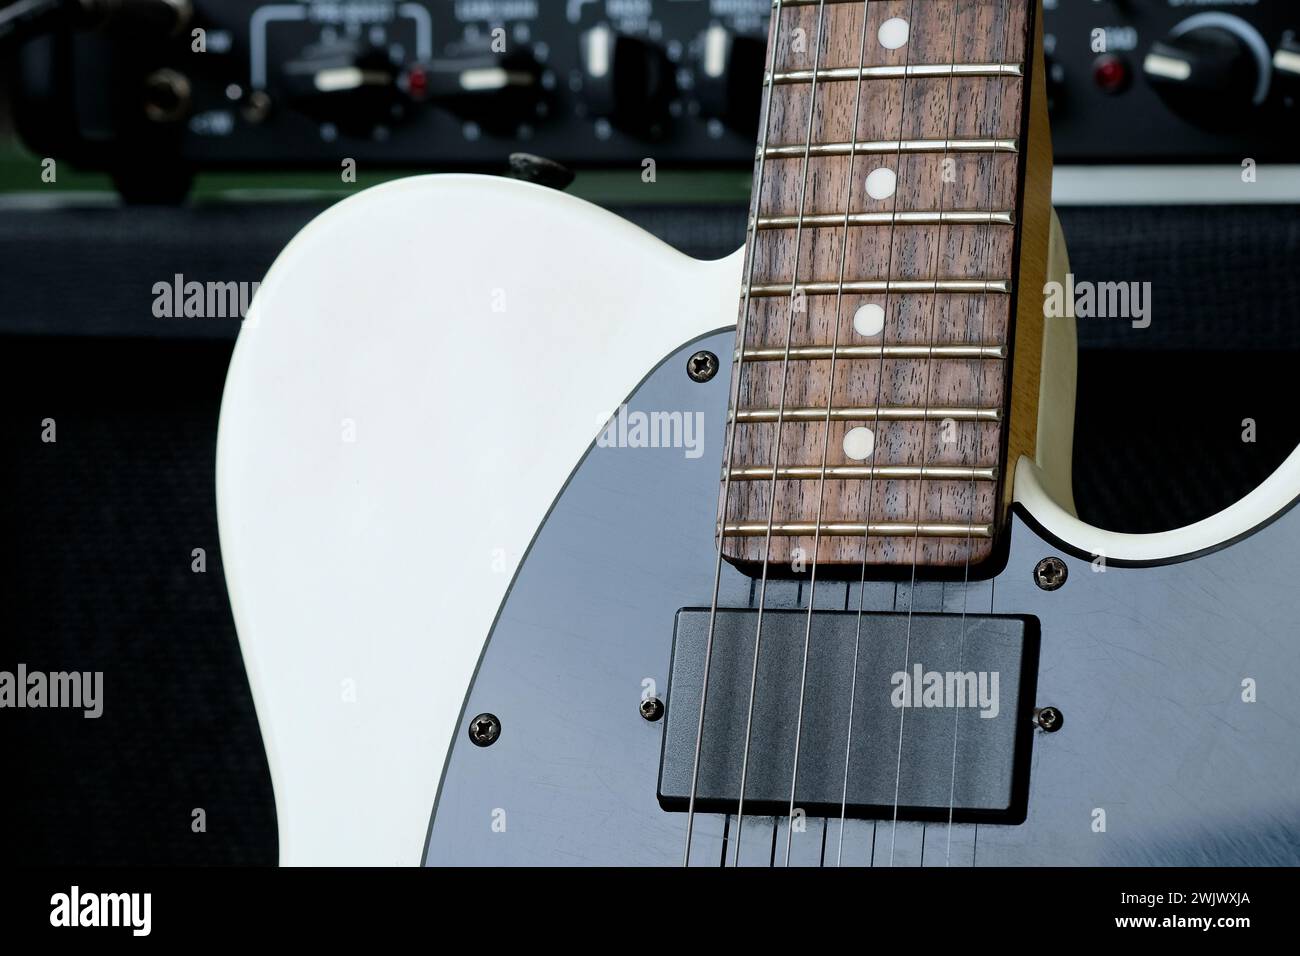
(1178, 740)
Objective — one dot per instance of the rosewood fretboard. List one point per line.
(891, 437)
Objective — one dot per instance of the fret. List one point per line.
(883, 529)
(813, 472)
(867, 286)
(820, 320)
(883, 307)
(867, 414)
(930, 218)
(883, 146)
(840, 183)
(908, 71)
(816, 352)
(904, 5)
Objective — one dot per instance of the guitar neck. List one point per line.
(897, 210)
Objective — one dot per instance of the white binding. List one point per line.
(383, 562)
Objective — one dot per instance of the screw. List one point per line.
(1049, 719)
(1050, 573)
(652, 708)
(702, 366)
(484, 730)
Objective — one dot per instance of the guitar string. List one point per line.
(752, 233)
(826, 441)
(979, 397)
(875, 429)
(925, 432)
(780, 419)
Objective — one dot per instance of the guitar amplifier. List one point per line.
(460, 85)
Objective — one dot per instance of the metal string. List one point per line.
(875, 429)
(780, 414)
(979, 395)
(911, 600)
(921, 484)
(830, 394)
(752, 231)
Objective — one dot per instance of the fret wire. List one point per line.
(791, 4)
(866, 286)
(814, 352)
(885, 414)
(897, 472)
(874, 147)
(914, 71)
(968, 217)
(806, 529)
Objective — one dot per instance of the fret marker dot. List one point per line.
(859, 443)
(869, 320)
(881, 183)
(893, 33)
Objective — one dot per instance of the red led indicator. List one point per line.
(1111, 74)
(417, 83)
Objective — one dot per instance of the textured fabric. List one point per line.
(1223, 277)
(95, 575)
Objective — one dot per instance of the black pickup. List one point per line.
(963, 700)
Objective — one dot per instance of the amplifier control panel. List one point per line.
(460, 84)
(1174, 81)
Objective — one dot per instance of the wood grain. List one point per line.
(813, 36)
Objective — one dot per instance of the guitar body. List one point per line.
(419, 525)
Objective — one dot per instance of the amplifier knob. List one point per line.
(496, 91)
(626, 80)
(347, 84)
(1211, 69)
(729, 78)
(1286, 69)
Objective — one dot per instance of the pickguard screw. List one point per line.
(484, 730)
(1050, 573)
(1049, 719)
(702, 366)
(652, 708)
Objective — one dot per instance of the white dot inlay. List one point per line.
(881, 183)
(859, 443)
(869, 320)
(893, 33)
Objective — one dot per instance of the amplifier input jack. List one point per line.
(167, 96)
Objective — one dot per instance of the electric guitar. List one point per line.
(547, 544)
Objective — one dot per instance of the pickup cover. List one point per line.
(973, 677)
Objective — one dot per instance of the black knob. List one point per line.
(729, 78)
(351, 85)
(1286, 69)
(626, 80)
(1211, 70)
(497, 91)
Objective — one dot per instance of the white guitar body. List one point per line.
(422, 370)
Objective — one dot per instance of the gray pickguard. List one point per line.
(1160, 760)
